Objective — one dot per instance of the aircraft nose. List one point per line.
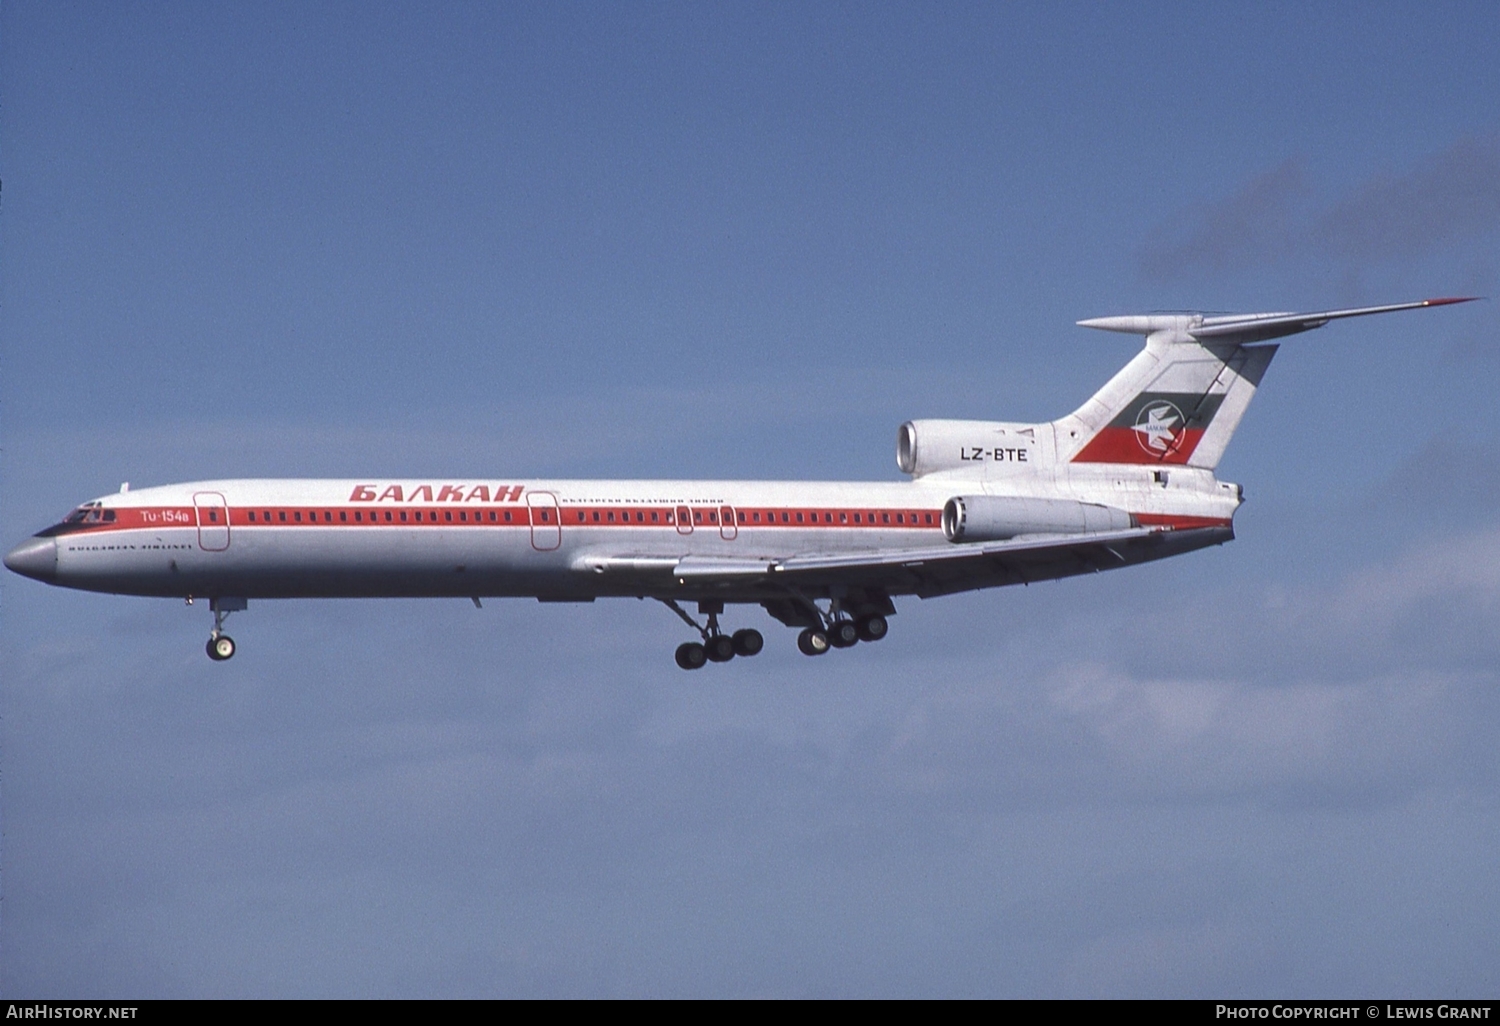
(34, 557)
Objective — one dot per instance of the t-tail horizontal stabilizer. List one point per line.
(1182, 397)
(1242, 329)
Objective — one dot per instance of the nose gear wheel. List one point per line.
(220, 645)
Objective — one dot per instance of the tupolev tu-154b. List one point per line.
(1126, 478)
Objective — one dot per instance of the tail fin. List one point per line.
(1176, 402)
(1181, 398)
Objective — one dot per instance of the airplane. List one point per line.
(1127, 478)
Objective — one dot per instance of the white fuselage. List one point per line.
(551, 539)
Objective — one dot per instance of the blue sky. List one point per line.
(749, 241)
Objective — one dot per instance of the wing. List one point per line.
(926, 571)
(945, 569)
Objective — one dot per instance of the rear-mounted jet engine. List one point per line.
(976, 518)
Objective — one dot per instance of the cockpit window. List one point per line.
(88, 513)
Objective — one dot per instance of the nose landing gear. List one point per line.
(220, 645)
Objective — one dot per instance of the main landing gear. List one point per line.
(220, 645)
(835, 628)
(841, 632)
(716, 647)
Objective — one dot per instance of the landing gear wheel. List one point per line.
(220, 648)
(691, 655)
(843, 634)
(812, 642)
(871, 628)
(748, 642)
(720, 648)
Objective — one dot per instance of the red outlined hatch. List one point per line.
(546, 521)
(213, 521)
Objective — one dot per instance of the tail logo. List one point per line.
(1153, 428)
(1158, 428)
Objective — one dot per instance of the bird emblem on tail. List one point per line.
(1157, 426)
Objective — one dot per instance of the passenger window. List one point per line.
(799, 518)
(281, 515)
(252, 516)
(885, 518)
(596, 516)
(655, 516)
(297, 516)
(898, 519)
(843, 518)
(492, 516)
(928, 516)
(448, 515)
(611, 516)
(343, 516)
(507, 516)
(463, 515)
(403, 516)
(713, 518)
(388, 516)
